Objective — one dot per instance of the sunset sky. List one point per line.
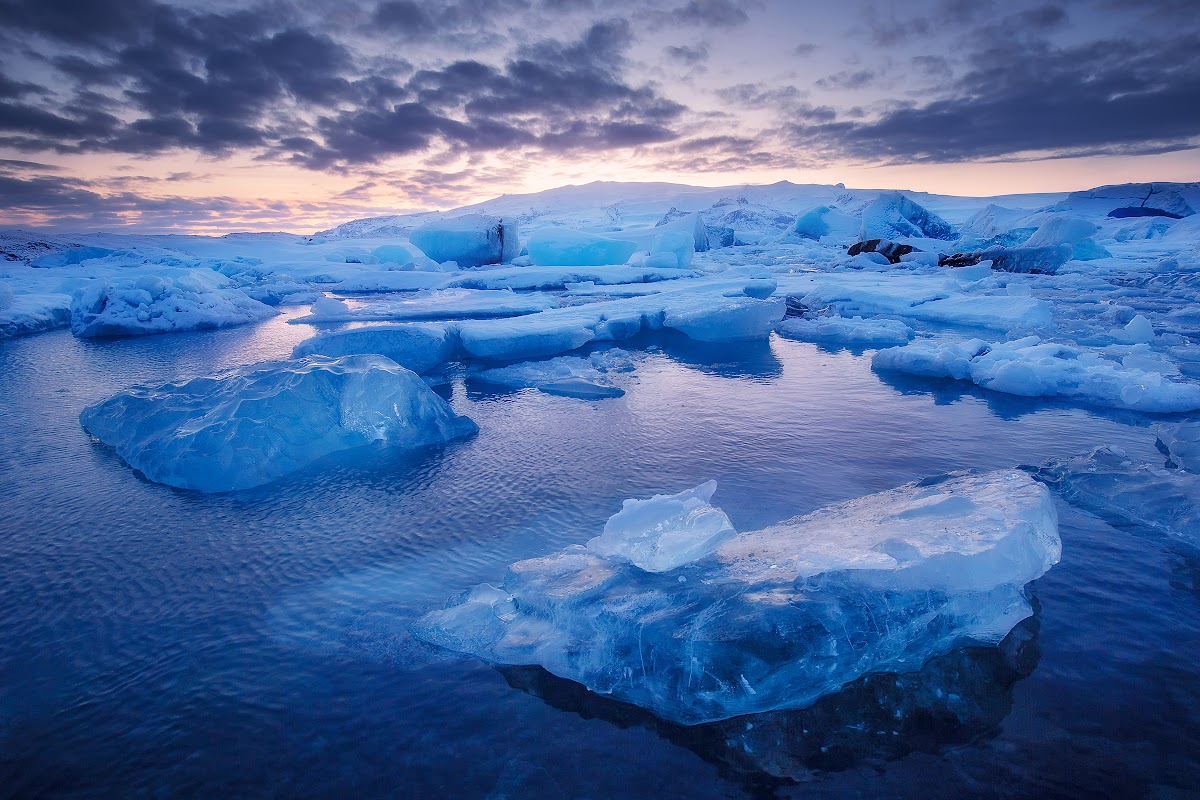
(298, 114)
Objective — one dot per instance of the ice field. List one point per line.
(790, 490)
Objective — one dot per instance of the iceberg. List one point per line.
(32, 312)
(827, 225)
(692, 224)
(680, 245)
(259, 423)
(166, 302)
(418, 347)
(471, 241)
(1032, 368)
(432, 304)
(770, 619)
(894, 216)
(848, 331)
(563, 247)
(1073, 231)
(584, 377)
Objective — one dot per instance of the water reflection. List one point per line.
(955, 699)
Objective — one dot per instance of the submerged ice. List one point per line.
(670, 609)
(258, 423)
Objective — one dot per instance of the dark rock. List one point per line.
(889, 250)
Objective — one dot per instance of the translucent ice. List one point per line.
(827, 225)
(563, 247)
(1123, 492)
(666, 531)
(1181, 443)
(433, 304)
(774, 618)
(587, 377)
(258, 423)
(1074, 231)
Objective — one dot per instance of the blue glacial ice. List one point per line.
(259, 423)
(417, 347)
(679, 245)
(432, 304)
(470, 241)
(1125, 492)
(827, 225)
(166, 302)
(769, 619)
(563, 247)
(1181, 444)
(846, 330)
(32, 312)
(894, 216)
(1033, 368)
(587, 377)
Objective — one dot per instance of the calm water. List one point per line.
(154, 641)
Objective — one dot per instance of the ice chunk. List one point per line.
(471, 240)
(1032, 260)
(775, 618)
(1181, 443)
(416, 347)
(34, 312)
(827, 225)
(1074, 231)
(666, 531)
(6, 296)
(679, 244)
(396, 254)
(723, 319)
(563, 247)
(852, 331)
(1033, 368)
(1122, 492)
(894, 216)
(436, 304)
(1137, 331)
(72, 255)
(692, 224)
(586, 377)
(162, 303)
(258, 423)
(558, 277)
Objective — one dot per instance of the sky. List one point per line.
(300, 114)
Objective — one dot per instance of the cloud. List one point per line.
(1115, 96)
(685, 54)
(848, 79)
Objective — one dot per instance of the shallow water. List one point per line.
(255, 644)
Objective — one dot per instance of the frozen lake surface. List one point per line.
(159, 641)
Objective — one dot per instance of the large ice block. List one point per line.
(258, 423)
(774, 618)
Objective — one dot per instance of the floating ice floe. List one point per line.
(1032, 368)
(719, 311)
(563, 247)
(927, 297)
(847, 331)
(559, 277)
(433, 304)
(417, 347)
(164, 302)
(470, 241)
(585, 377)
(32, 312)
(258, 423)
(671, 610)
(1108, 484)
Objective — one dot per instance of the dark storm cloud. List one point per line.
(219, 83)
(1103, 97)
(848, 79)
(686, 54)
